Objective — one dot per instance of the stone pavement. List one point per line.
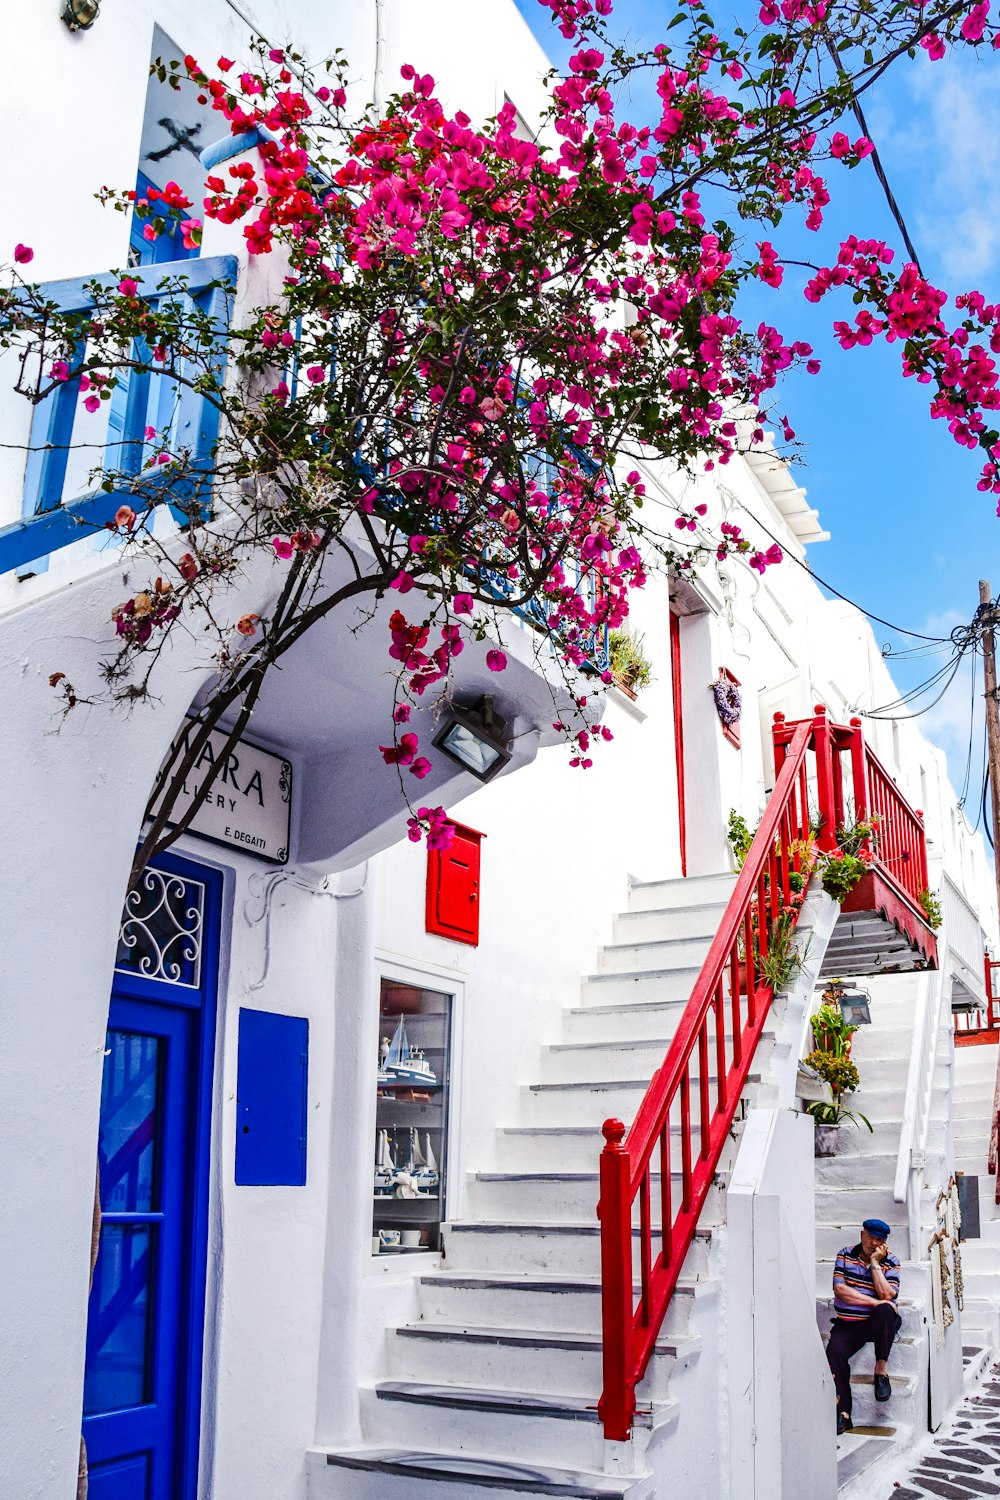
(964, 1459)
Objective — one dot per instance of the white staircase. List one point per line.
(857, 1184)
(494, 1389)
(975, 1076)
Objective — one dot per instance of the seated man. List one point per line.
(865, 1288)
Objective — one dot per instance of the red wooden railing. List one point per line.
(901, 845)
(684, 1119)
(983, 1023)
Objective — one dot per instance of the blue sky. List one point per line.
(911, 534)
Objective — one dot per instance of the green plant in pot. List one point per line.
(841, 1077)
(630, 666)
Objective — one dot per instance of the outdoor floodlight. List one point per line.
(80, 15)
(475, 738)
(855, 1008)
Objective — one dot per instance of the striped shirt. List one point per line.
(851, 1271)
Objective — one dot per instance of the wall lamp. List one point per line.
(475, 738)
(855, 1007)
(80, 15)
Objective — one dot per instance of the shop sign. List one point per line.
(249, 803)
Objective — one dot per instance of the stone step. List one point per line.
(853, 1168)
(881, 1073)
(979, 1283)
(564, 1302)
(552, 1148)
(541, 1427)
(663, 983)
(879, 1103)
(580, 1062)
(575, 1062)
(908, 1351)
(899, 1409)
(558, 1197)
(850, 1205)
(983, 1314)
(380, 1473)
(647, 1020)
(551, 1249)
(968, 1104)
(691, 890)
(666, 953)
(591, 1102)
(877, 1042)
(522, 1357)
(669, 922)
(914, 1315)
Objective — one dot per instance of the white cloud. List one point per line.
(944, 129)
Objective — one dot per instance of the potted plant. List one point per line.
(932, 908)
(630, 666)
(841, 1077)
(830, 1062)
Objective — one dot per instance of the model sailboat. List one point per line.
(425, 1168)
(385, 1167)
(405, 1064)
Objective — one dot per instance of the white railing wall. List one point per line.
(966, 939)
(934, 987)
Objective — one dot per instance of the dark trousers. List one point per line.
(847, 1337)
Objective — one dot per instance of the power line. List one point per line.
(876, 160)
(936, 640)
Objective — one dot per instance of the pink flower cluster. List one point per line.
(432, 823)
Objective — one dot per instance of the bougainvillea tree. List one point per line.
(476, 338)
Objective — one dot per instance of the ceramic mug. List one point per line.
(411, 1238)
(376, 1243)
(389, 1239)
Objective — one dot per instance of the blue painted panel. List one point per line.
(167, 246)
(121, 1479)
(271, 1084)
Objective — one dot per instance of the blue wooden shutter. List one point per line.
(271, 1090)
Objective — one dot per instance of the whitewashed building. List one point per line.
(347, 1097)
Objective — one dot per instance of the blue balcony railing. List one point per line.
(186, 421)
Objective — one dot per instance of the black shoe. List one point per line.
(844, 1423)
(883, 1390)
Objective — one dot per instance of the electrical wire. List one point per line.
(876, 160)
(936, 640)
(917, 692)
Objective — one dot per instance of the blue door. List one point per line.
(141, 1402)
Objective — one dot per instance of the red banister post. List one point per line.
(823, 746)
(779, 740)
(616, 1407)
(859, 772)
(924, 879)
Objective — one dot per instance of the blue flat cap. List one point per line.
(877, 1226)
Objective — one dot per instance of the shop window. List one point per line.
(453, 888)
(411, 1118)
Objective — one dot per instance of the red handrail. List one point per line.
(719, 1029)
(900, 843)
(985, 1019)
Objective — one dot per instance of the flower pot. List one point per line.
(827, 1140)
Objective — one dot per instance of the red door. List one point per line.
(453, 888)
(677, 687)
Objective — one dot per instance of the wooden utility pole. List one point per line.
(988, 618)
